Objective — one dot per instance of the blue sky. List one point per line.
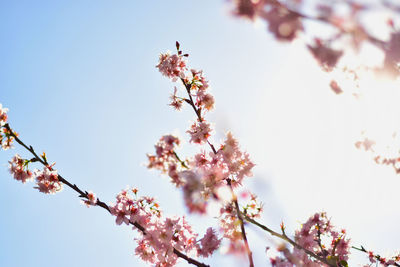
(80, 81)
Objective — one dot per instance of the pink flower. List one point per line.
(3, 115)
(19, 169)
(335, 87)
(209, 243)
(283, 23)
(204, 100)
(91, 199)
(176, 102)
(326, 56)
(165, 158)
(172, 66)
(392, 55)
(47, 181)
(237, 162)
(249, 8)
(6, 139)
(199, 132)
(193, 192)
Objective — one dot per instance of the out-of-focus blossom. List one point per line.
(335, 87)
(283, 23)
(392, 55)
(326, 56)
(209, 243)
(249, 8)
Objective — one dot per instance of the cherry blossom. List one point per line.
(344, 21)
(172, 66)
(19, 169)
(91, 199)
(209, 243)
(166, 159)
(238, 163)
(47, 180)
(159, 237)
(326, 56)
(3, 115)
(318, 236)
(6, 136)
(283, 23)
(199, 132)
(230, 227)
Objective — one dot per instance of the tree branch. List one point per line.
(84, 194)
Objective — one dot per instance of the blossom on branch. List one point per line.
(18, 167)
(209, 243)
(3, 115)
(172, 66)
(238, 163)
(159, 237)
(317, 236)
(166, 159)
(6, 136)
(47, 180)
(199, 132)
(91, 199)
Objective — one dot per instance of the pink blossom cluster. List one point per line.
(91, 199)
(199, 132)
(6, 139)
(199, 89)
(160, 236)
(237, 163)
(345, 22)
(253, 207)
(3, 115)
(318, 236)
(46, 181)
(18, 167)
(172, 66)
(201, 176)
(230, 227)
(166, 159)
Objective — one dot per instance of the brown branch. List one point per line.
(84, 194)
(239, 215)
